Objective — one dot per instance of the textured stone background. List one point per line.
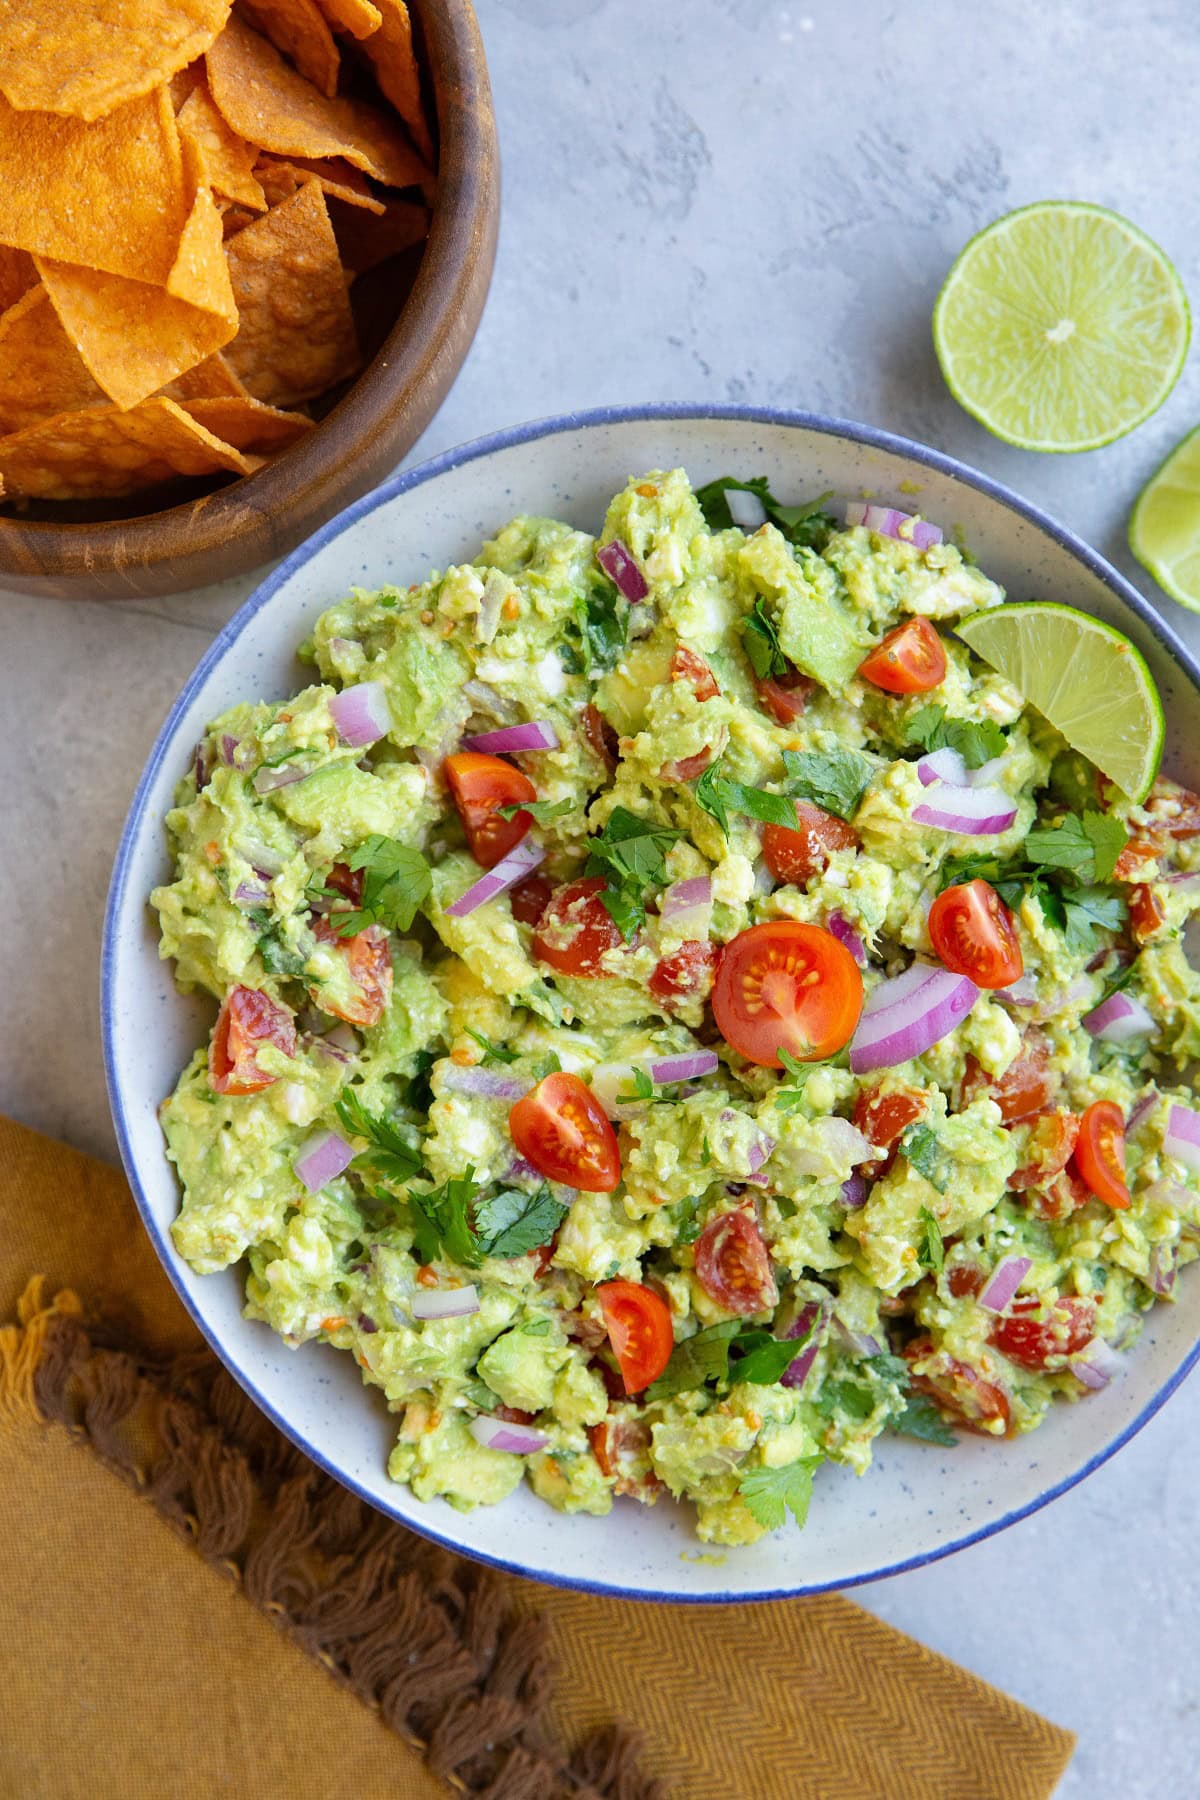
(733, 201)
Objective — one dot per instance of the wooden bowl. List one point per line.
(259, 517)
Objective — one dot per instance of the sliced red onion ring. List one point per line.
(250, 894)
(1182, 1136)
(796, 1373)
(1139, 1111)
(265, 781)
(896, 1027)
(322, 1158)
(745, 508)
(618, 564)
(1162, 1268)
(485, 1084)
(445, 1303)
(520, 861)
(361, 714)
(1119, 1018)
(943, 765)
(498, 1434)
(1022, 992)
(1005, 1279)
(844, 932)
(1097, 1364)
(539, 734)
(854, 1192)
(890, 523)
(970, 812)
(689, 1065)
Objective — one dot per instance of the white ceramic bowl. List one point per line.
(918, 1502)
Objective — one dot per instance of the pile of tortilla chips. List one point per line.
(188, 191)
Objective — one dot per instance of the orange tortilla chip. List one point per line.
(85, 58)
(365, 240)
(270, 105)
(200, 274)
(391, 50)
(224, 161)
(296, 336)
(106, 196)
(134, 338)
(248, 424)
(41, 372)
(298, 29)
(337, 178)
(84, 455)
(17, 276)
(213, 379)
(359, 17)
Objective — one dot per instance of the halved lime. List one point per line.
(1088, 680)
(1164, 527)
(1061, 326)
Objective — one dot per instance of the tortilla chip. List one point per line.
(213, 379)
(270, 105)
(391, 50)
(298, 29)
(338, 179)
(106, 196)
(83, 455)
(364, 240)
(133, 337)
(41, 372)
(359, 17)
(296, 335)
(248, 424)
(17, 276)
(224, 161)
(87, 57)
(200, 274)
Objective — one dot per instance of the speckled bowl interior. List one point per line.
(917, 1502)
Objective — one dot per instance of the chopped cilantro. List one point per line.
(396, 880)
(697, 1360)
(541, 811)
(1087, 846)
(643, 1088)
(718, 796)
(977, 742)
(921, 1419)
(479, 1394)
(760, 640)
(683, 1217)
(512, 1222)
(442, 1220)
(629, 853)
(492, 1053)
(931, 1253)
(278, 957)
(835, 780)
(920, 1145)
(801, 525)
(1088, 907)
(392, 1156)
(507, 1224)
(763, 1359)
(770, 1494)
(787, 1099)
(601, 619)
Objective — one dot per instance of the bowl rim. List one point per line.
(456, 457)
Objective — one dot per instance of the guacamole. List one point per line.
(681, 1014)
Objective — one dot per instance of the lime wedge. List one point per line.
(1061, 326)
(1084, 677)
(1164, 527)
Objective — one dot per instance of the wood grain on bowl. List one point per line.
(256, 518)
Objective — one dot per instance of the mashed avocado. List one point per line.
(540, 925)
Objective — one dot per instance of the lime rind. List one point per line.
(1085, 677)
(1164, 526)
(1061, 327)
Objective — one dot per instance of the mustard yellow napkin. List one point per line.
(188, 1608)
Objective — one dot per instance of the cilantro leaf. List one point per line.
(889, 1368)
(683, 1217)
(278, 957)
(1108, 837)
(697, 1360)
(492, 1053)
(931, 1252)
(787, 1099)
(391, 1156)
(601, 618)
(442, 1219)
(396, 880)
(920, 1145)
(1087, 847)
(764, 1359)
(1088, 907)
(807, 524)
(1121, 977)
(975, 741)
(921, 1419)
(539, 810)
(770, 1494)
(760, 640)
(643, 1088)
(629, 853)
(480, 1394)
(710, 797)
(511, 1223)
(718, 796)
(835, 780)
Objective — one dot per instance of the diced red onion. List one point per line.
(1097, 1364)
(1186, 883)
(1022, 992)
(854, 1192)
(316, 1042)
(201, 765)
(248, 893)
(759, 1150)
(485, 698)
(262, 859)
(796, 1373)
(514, 867)
(970, 812)
(890, 523)
(897, 1026)
(745, 509)
(1139, 1111)
(322, 1158)
(486, 1084)
(499, 1434)
(487, 620)
(844, 932)
(539, 734)
(265, 781)
(838, 1141)
(685, 905)
(1162, 1268)
(618, 564)
(943, 765)
(229, 748)
(343, 1037)
(690, 1065)
(361, 714)
(861, 1342)
(520, 1170)
(1005, 1279)
(445, 1303)
(1182, 1136)
(1119, 1018)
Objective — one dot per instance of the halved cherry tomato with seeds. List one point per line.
(784, 696)
(800, 854)
(1033, 1331)
(480, 785)
(1048, 1149)
(369, 959)
(576, 929)
(530, 898)
(1146, 916)
(248, 1020)
(974, 934)
(687, 666)
(686, 972)
(560, 1127)
(601, 735)
(787, 986)
(1100, 1153)
(733, 1267)
(1027, 1086)
(974, 1402)
(639, 1329)
(909, 660)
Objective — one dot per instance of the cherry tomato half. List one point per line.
(909, 660)
(368, 958)
(560, 1127)
(1100, 1153)
(247, 1020)
(1027, 1086)
(883, 1116)
(481, 785)
(973, 932)
(786, 986)
(784, 696)
(530, 898)
(687, 666)
(639, 1329)
(687, 971)
(958, 1389)
(1033, 1332)
(1146, 916)
(576, 929)
(733, 1267)
(800, 854)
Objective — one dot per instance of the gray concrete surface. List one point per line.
(735, 201)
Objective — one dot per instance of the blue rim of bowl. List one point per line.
(402, 484)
